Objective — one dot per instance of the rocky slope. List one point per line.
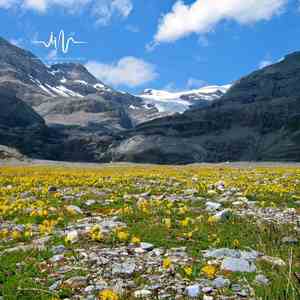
(258, 119)
(47, 89)
(80, 112)
(178, 102)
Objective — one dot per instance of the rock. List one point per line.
(243, 293)
(147, 246)
(73, 209)
(223, 215)
(221, 253)
(126, 268)
(250, 255)
(76, 282)
(89, 289)
(290, 240)
(237, 265)
(142, 294)
(205, 297)
(207, 289)
(212, 206)
(58, 249)
(52, 189)
(55, 285)
(72, 237)
(221, 282)
(90, 202)
(56, 258)
(261, 280)
(274, 261)
(193, 291)
(236, 287)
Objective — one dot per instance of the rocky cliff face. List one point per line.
(258, 119)
(79, 113)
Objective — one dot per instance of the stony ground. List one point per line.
(132, 232)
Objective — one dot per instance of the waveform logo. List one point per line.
(59, 43)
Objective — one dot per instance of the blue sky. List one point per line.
(137, 44)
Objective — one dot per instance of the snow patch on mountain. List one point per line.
(166, 101)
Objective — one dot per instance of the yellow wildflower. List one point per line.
(188, 271)
(16, 235)
(209, 270)
(167, 263)
(212, 220)
(135, 240)
(185, 222)
(236, 243)
(108, 295)
(122, 235)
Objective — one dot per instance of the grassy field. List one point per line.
(41, 208)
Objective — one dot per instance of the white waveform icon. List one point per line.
(60, 42)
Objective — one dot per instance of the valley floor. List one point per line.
(129, 231)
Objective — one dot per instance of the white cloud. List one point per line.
(203, 15)
(102, 10)
(128, 71)
(265, 63)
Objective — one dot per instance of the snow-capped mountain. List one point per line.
(173, 102)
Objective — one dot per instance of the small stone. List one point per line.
(89, 289)
(274, 261)
(58, 249)
(72, 237)
(221, 253)
(147, 246)
(193, 291)
(236, 287)
(221, 282)
(261, 280)
(212, 206)
(73, 209)
(52, 189)
(55, 285)
(207, 290)
(142, 294)
(56, 258)
(76, 282)
(90, 202)
(243, 293)
(223, 215)
(126, 268)
(290, 240)
(205, 297)
(237, 265)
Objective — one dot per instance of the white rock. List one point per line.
(212, 206)
(221, 282)
(147, 246)
(193, 291)
(142, 294)
(223, 215)
(275, 261)
(262, 279)
(72, 237)
(237, 265)
(221, 253)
